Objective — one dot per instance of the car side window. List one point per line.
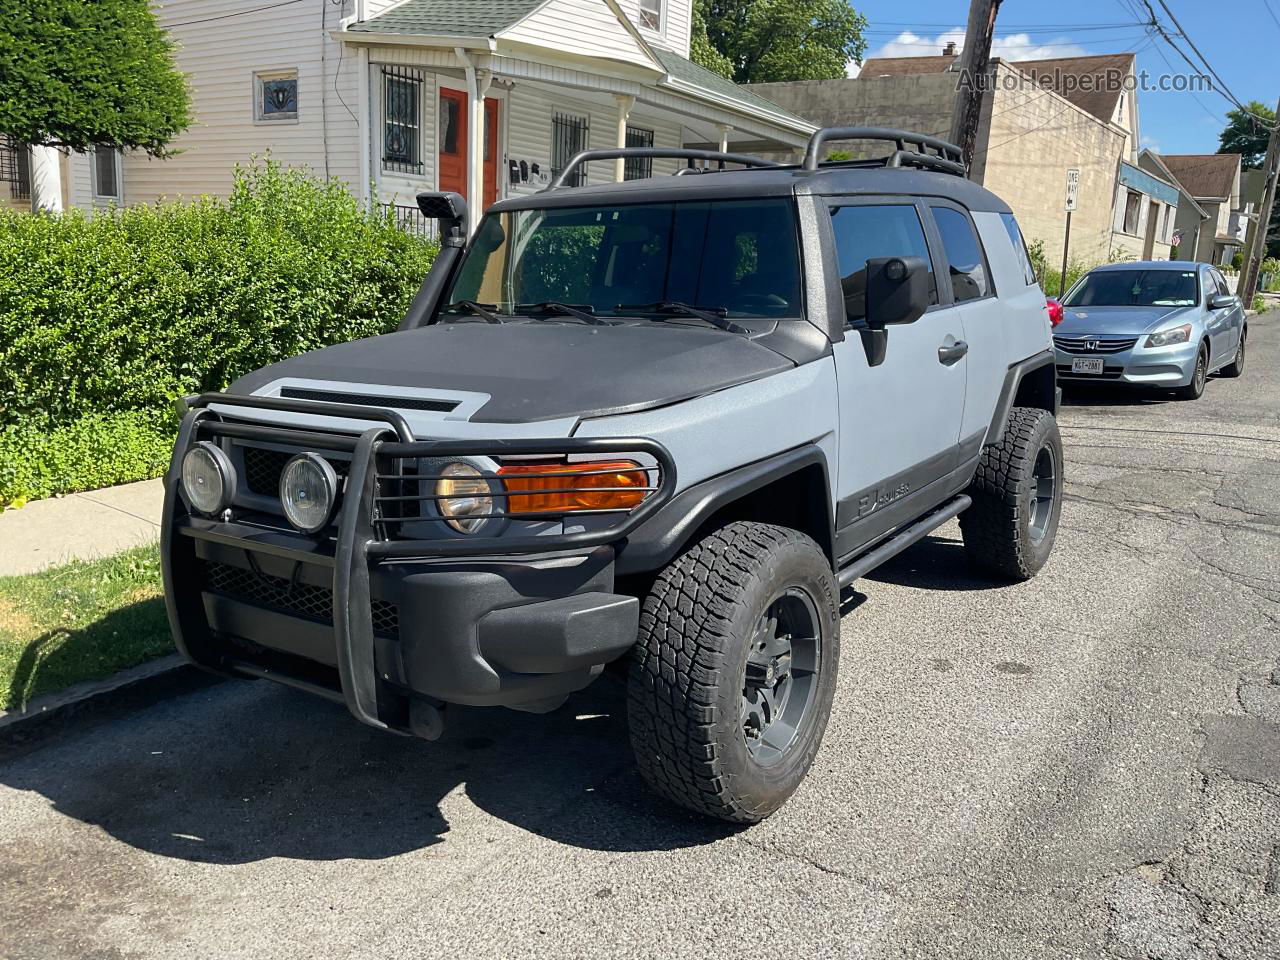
(1020, 249)
(970, 279)
(1220, 282)
(868, 232)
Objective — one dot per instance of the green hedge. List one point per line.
(106, 320)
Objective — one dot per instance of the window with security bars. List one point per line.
(638, 168)
(15, 167)
(568, 137)
(401, 119)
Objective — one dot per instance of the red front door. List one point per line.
(453, 145)
(453, 141)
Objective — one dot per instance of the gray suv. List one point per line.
(661, 423)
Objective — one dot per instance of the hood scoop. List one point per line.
(371, 399)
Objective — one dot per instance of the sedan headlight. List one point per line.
(466, 497)
(208, 479)
(1165, 338)
(308, 492)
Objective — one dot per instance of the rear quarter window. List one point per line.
(1020, 251)
(970, 276)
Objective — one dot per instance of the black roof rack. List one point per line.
(913, 150)
(946, 158)
(663, 153)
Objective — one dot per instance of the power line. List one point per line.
(227, 16)
(1191, 43)
(1272, 11)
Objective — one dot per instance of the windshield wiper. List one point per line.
(482, 310)
(555, 306)
(713, 315)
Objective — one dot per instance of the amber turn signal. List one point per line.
(563, 487)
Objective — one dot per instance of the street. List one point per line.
(1085, 765)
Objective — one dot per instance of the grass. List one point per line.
(82, 621)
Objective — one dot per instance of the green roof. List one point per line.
(449, 18)
(689, 72)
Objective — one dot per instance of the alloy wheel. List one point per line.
(1040, 499)
(781, 678)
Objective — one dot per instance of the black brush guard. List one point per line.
(365, 533)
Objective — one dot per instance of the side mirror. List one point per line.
(897, 291)
(450, 210)
(1221, 301)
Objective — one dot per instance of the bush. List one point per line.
(1051, 277)
(106, 320)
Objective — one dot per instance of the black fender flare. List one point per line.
(1009, 391)
(661, 538)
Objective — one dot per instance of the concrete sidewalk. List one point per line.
(79, 526)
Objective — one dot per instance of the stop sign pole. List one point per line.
(1073, 191)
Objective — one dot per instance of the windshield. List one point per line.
(736, 257)
(1136, 288)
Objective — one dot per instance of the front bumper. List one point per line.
(368, 616)
(1138, 365)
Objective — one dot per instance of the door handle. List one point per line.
(950, 353)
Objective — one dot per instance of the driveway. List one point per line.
(1087, 765)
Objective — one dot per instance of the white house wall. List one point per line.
(585, 28)
(678, 15)
(221, 57)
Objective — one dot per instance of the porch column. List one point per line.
(478, 83)
(725, 130)
(625, 104)
(46, 180)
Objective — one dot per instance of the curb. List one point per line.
(135, 687)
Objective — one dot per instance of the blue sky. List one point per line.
(1240, 38)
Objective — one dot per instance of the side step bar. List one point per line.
(864, 564)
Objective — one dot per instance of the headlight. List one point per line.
(208, 480)
(308, 491)
(466, 497)
(1163, 338)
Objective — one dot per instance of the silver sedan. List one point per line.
(1167, 324)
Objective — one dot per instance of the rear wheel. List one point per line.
(1236, 367)
(734, 671)
(1195, 389)
(1017, 497)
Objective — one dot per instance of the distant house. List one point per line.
(1214, 181)
(486, 97)
(1039, 119)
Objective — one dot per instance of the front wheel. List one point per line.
(1195, 389)
(734, 671)
(1017, 497)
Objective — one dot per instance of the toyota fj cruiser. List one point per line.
(665, 420)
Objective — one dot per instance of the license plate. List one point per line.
(1087, 365)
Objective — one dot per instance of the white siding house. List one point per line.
(486, 97)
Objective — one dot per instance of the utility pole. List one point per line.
(970, 87)
(1248, 285)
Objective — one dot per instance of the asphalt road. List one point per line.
(1084, 766)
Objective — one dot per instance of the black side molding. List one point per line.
(656, 542)
(1009, 391)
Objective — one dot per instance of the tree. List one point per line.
(1247, 135)
(760, 41)
(75, 74)
(701, 51)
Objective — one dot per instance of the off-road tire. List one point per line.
(1199, 377)
(997, 528)
(1236, 367)
(688, 669)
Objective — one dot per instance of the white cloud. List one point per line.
(1149, 143)
(1016, 46)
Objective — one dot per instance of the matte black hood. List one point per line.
(541, 370)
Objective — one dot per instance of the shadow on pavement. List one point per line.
(245, 771)
(1092, 395)
(935, 563)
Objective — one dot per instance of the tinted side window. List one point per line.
(867, 233)
(1019, 248)
(1220, 283)
(969, 278)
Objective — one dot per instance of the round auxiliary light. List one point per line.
(308, 492)
(466, 497)
(208, 479)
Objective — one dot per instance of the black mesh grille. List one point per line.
(300, 599)
(370, 399)
(262, 469)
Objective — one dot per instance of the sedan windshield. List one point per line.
(1136, 288)
(733, 258)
